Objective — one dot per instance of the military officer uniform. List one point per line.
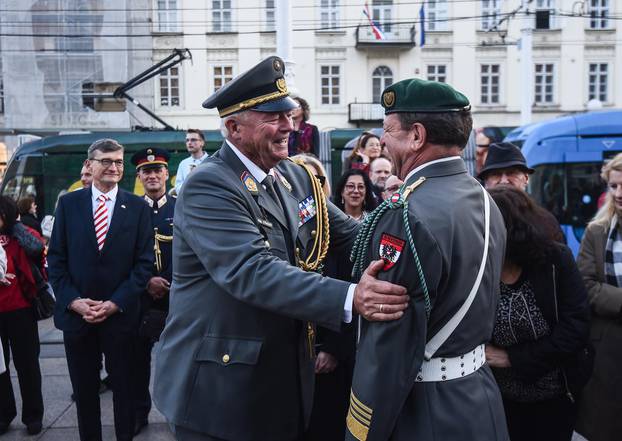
(153, 311)
(236, 358)
(424, 377)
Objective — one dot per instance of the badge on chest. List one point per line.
(307, 208)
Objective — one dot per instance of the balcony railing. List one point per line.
(396, 35)
(365, 112)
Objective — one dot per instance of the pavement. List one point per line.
(60, 421)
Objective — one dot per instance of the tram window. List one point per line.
(20, 186)
(569, 191)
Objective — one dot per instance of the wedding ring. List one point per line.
(381, 308)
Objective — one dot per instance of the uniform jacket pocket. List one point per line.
(228, 351)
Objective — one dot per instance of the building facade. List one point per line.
(59, 57)
(341, 66)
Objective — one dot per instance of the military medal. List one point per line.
(249, 183)
(390, 250)
(285, 183)
(306, 210)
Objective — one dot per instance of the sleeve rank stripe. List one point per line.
(369, 410)
(358, 430)
(359, 416)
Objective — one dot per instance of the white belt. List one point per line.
(444, 369)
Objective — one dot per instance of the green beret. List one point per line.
(414, 95)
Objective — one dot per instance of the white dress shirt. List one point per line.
(112, 198)
(184, 169)
(259, 176)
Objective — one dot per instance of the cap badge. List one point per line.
(388, 98)
(281, 85)
(149, 151)
(150, 158)
(276, 64)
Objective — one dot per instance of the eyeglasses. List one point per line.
(322, 179)
(108, 162)
(352, 187)
(192, 139)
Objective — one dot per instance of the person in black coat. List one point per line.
(28, 213)
(541, 332)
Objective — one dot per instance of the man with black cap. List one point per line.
(152, 171)
(506, 165)
(424, 377)
(236, 360)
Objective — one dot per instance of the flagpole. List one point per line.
(284, 42)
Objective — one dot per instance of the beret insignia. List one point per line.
(388, 98)
(281, 84)
(276, 64)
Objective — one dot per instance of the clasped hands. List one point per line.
(94, 311)
(377, 300)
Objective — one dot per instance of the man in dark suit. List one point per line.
(236, 360)
(100, 260)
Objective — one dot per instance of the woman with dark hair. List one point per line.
(367, 149)
(353, 194)
(27, 208)
(542, 325)
(18, 326)
(305, 138)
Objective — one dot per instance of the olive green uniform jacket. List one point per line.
(234, 360)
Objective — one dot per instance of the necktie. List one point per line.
(101, 221)
(268, 182)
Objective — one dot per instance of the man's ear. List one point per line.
(232, 126)
(419, 135)
(89, 165)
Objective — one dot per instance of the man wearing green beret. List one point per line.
(425, 377)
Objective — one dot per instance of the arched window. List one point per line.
(381, 79)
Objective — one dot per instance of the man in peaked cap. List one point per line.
(152, 171)
(425, 377)
(236, 360)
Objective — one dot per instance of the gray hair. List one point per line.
(447, 129)
(223, 128)
(105, 145)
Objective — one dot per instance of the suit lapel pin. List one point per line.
(123, 206)
(285, 183)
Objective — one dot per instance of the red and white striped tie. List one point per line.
(101, 221)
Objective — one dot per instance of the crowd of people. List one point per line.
(288, 308)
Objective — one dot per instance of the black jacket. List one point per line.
(557, 285)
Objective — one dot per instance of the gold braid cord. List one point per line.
(156, 247)
(322, 236)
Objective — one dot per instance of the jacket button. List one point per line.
(226, 358)
(313, 233)
(267, 244)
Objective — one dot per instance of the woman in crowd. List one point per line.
(542, 326)
(600, 261)
(305, 138)
(28, 213)
(18, 326)
(353, 194)
(367, 149)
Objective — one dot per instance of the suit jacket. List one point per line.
(118, 273)
(234, 359)
(446, 215)
(600, 406)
